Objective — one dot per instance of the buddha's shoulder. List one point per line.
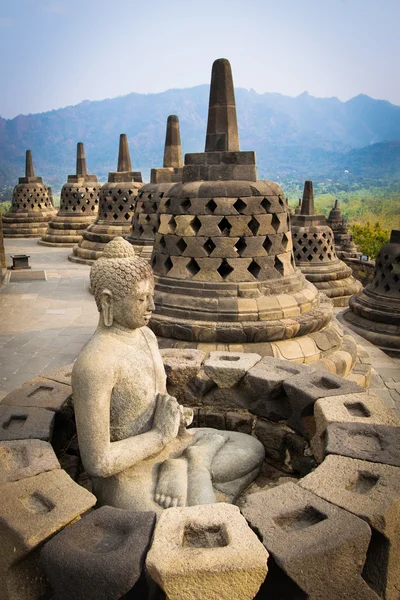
(100, 354)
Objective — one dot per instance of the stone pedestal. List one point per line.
(374, 312)
(116, 207)
(345, 247)
(31, 206)
(145, 219)
(315, 254)
(78, 206)
(223, 260)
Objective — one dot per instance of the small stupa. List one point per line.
(315, 255)
(145, 218)
(297, 210)
(78, 206)
(374, 312)
(223, 259)
(31, 206)
(117, 202)
(345, 247)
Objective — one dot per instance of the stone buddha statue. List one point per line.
(132, 434)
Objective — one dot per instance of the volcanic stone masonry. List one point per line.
(225, 274)
(31, 206)
(315, 255)
(78, 206)
(374, 312)
(145, 218)
(345, 247)
(116, 207)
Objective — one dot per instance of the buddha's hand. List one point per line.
(167, 417)
(186, 418)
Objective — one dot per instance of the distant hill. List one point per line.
(296, 138)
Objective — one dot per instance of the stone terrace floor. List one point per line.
(44, 324)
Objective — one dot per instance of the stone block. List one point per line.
(304, 390)
(181, 366)
(19, 423)
(60, 374)
(100, 557)
(211, 553)
(32, 510)
(264, 383)
(25, 458)
(360, 408)
(237, 421)
(372, 492)
(227, 368)
(321, 547)
(40, 393)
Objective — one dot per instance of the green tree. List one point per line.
(370, 238)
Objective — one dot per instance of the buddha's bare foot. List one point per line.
(171, 489)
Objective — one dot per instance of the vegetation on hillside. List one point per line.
(370, 238)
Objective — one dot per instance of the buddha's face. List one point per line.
(134, 310)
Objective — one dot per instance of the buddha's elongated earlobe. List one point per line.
(106, 301)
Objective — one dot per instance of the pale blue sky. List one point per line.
(59, 52)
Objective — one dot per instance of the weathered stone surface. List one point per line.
(372, 492)
(25, 458)
(40, 392)
(211, 553)
(321, 547)
(304, 390)
(20, 423)
(361, 408)
(32, 510)
(100, 557)
(227, 368)
(181, 366)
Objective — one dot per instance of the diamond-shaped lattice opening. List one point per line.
(167, 203)
(209, 246)
(310, 257)
(304, 235)
(193, 267)
(119, 192)
(386, 288)
(390, 268)
(172, 224)
(241, 245)
(121, 207)
(324, 235)
(275, 222)
(154, 207)
(74, 208)
(161, 195)
(254, 226)
(278, 264)
(295, 235)
(385, 257)
(267, 245)
(396, 278)
(239, 205)
(281, 202)
(320, 242)
(162, 243)
(127, 216)
(115, 217)
(211, 205)
(224, 269)
(266, 204)
(310, 242)
(168, 265)
(254, 268)
(181, 245)
(147, 218)
(195, 224)
(224, 226)
(321, 257)
(285, 241)
(329, 256)
(304, 249)
(186, 204)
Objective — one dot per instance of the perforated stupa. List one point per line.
(79, 205)
(345, 247)
(223, 260)
(116, 207)
(145, 218)
(31, 206)
(315, 254)
(374, 312)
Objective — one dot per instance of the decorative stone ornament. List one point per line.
(31, 206)
(315, 254)
(375, 311)
(116, 207)
(145, 219)
(78, 206)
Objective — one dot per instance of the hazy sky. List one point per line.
(59, 52)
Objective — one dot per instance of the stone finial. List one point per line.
(222, 127)
(172, 148)
(81, 168)
(29, 170)
(307, 205)
(336, 204)
(124, 159)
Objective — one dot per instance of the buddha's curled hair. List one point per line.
(118, 270)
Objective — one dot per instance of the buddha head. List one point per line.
(123, 286)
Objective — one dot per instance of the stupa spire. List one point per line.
(81, 168)
(172, 148)
(29, 170)
(124, 159)
(222, 127)
(307, 205)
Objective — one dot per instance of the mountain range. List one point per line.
(294, 138)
